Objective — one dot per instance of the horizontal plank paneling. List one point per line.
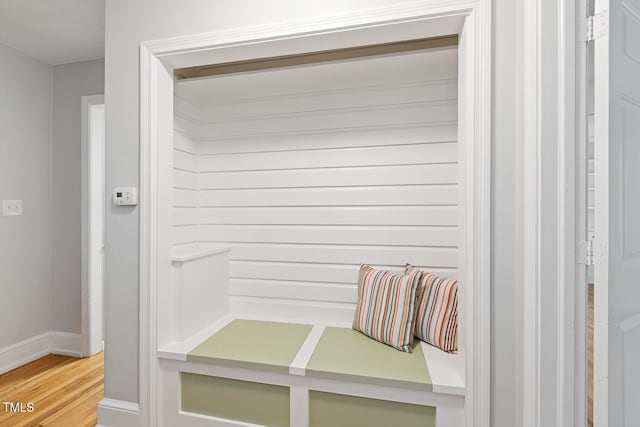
(423, 195)
(326, 138)
(361, 215)
(304, 187)
(185, 126)
(185, 198)
(312, 272)
(420, 91)
(184, 142)
(352, 235)
(342, 254)
(185, 216)
(186, 107)
(283, 271)
(300, 290)
(185, 161)
(292, 308)
(336, 177)
(294, 290)
(338, 157)
(410, 113)
(185, 173)
(185, 234)
(184, 179)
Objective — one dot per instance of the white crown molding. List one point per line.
(302, 28)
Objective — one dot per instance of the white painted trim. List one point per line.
(299, 406)
(148, 239)
(86, 102)
(118, 413)
(475, 136)
(446, 370)
(18, 354)
(340, 31)
(562, 302)
(23, 352)
(570, 380)
(393, 394)
(299, 364)
(66, 344)
(179, 350)
(191, 419)
(192, 252)
(529, 134)
(576, 303)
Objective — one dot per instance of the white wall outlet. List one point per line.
(11, 207)
(125, 196)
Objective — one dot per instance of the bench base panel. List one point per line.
(245, 401)
(330, 409)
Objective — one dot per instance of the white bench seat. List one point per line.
(316, 366)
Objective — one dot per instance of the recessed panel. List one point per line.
(631, 37)
(243, 401)
(631, 355)
(336, 410)
(631, 177)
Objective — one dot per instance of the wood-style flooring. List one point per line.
(64, 391)
(590, 357)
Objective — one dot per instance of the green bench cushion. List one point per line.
(345, 354)
(253, 344)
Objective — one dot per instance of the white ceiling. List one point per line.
(54, 31)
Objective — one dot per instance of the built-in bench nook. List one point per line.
(285, 182)
(246, 371)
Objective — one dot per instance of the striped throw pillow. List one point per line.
(437, 310)
(385, 309)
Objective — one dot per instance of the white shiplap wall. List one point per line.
(185, 170)
(310, 177)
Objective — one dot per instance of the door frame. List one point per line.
(551, 126)
(87, 103)
(471, 19)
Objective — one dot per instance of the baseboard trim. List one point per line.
(66, 344)
(18, 354)
(118, 413)
(23, 352)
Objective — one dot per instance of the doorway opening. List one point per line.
(93, 207)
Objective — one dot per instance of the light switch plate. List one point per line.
(11, 207)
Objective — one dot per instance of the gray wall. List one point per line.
(70, 83)
(25, 173)
(129, 23)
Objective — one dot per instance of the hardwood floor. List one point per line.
(64, 391)
(590, 358)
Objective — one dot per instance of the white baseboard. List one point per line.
(66, 343)
(118, 413)
(23, 352)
